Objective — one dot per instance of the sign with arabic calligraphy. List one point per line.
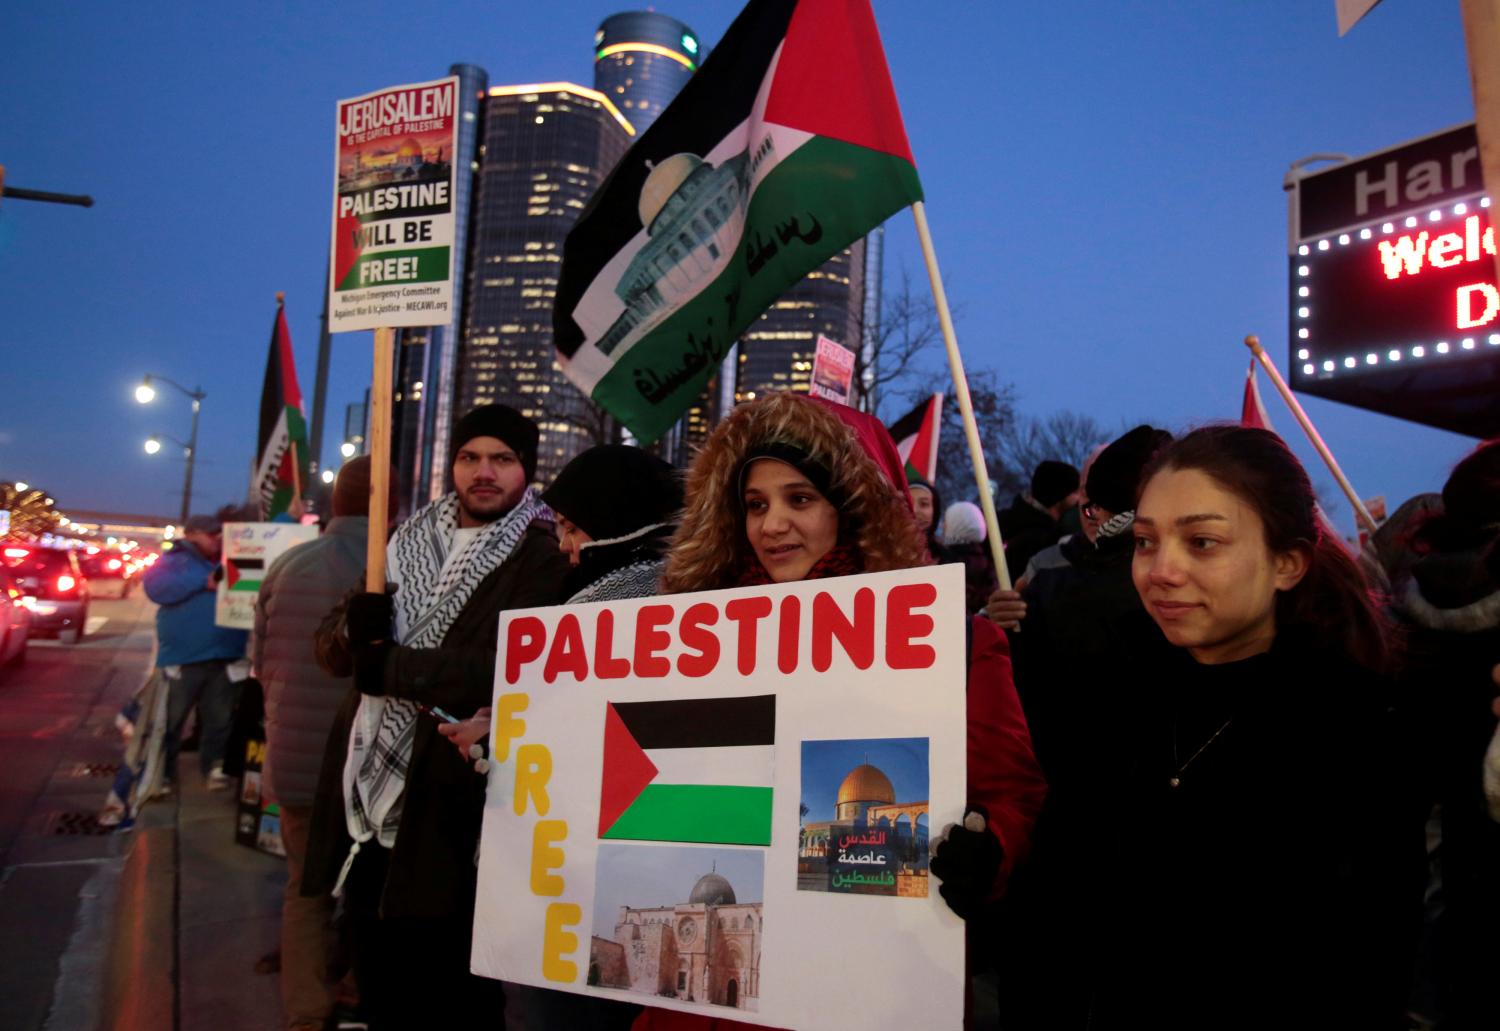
(681, 785)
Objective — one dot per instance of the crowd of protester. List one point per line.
(1224, 769)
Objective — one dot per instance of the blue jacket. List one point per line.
(185, 628)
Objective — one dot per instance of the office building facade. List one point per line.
(425, 376)
(642, 59)
(545, 150)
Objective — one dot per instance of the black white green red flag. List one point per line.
(785, 148)
(694, 769)
(281, 468)
(916, 437)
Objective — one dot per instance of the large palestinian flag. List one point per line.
(694, 769)
(281, 469)
(785, 148)
(916, 437)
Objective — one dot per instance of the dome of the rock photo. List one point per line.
(866, 784)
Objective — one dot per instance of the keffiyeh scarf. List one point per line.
(432, 592)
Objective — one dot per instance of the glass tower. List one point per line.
(641, 60)
(546, 149)
(426, 363)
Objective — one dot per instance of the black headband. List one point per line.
(795, 456)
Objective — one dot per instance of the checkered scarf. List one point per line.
(428, 601)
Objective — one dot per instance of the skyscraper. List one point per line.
(546, 148)
(777, 351)
(641, 60)
(426, 360)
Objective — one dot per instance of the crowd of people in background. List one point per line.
(1224, 769)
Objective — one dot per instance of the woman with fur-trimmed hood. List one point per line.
(789, 488)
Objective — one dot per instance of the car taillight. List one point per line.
(66, 583)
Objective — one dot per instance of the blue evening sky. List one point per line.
(1104, 183)
(643, 876)
(825, 764)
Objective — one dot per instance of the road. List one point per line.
(58, 752)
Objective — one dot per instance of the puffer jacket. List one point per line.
(301, 700)
(185, 627)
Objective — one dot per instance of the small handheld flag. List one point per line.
(282, 448)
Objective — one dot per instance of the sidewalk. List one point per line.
(193, 900)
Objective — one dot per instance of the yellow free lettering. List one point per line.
(533, 770)
(546, 857)
(557, 943)
(506, 727)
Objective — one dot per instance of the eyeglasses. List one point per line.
(1093, 511)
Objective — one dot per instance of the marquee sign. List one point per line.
(1393, 302)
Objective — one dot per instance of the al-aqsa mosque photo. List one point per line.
(703, 946)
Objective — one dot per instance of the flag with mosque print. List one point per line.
(281, 468)
(691, 769)
(785, 148)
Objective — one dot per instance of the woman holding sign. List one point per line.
(789, 488)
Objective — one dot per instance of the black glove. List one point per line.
(368, 619)
(967, 861)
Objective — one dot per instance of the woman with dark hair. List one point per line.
(789, 488)
(1263, 872)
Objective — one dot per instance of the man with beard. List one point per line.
(406, 823)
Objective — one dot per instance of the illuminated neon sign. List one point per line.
(1393, 303)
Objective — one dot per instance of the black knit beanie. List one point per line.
(1115, 476)
(1052, 482)
(506, 425)
(612, 491)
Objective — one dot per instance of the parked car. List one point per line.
(108, 567)
(54, 581)
(15, 621)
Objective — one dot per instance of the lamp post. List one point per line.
(145, 394)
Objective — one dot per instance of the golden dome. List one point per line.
(866, 784)
(662, 182)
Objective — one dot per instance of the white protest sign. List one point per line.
(392, 244)
(832, 371)
(249, 550)
(708, 802)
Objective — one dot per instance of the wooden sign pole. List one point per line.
(965, 405)
(380, 458)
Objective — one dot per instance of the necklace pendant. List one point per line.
(1176, 783)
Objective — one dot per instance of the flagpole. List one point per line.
(296, 474)
(961, 388)
(1361, 514)
(380, 458)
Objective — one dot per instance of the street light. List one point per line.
(152, 445)
(328, 476)
(22, 486)
(347, 449)
(145, 394)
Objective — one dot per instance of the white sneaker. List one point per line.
(217, 780)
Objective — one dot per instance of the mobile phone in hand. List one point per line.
(437, 714)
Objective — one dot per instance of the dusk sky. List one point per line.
(1103, 180)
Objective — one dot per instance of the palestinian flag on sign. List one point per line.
(281, 469)
(916, 437)
(244, 574)
(695, 769)
(785, 148)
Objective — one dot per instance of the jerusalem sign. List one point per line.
(392, 238)
(695, 798)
